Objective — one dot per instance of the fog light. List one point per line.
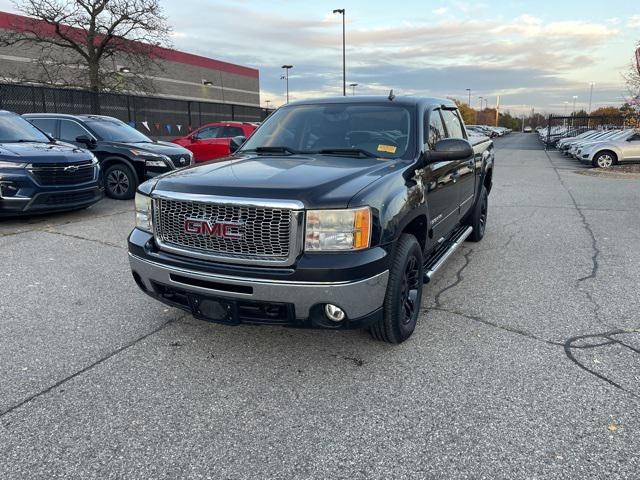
(8, 189)
(333, 313)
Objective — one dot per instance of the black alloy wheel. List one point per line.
(119, 182)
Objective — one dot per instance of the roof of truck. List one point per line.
(400, 100)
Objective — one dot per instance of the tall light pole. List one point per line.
(353, 88)
(486, 103)
(481, 100)
(268, 102)
(575, 97)
(286, 78)
(469, 92)
(344, 58)
(591, 96)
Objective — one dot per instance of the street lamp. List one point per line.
(353, 88)
(268, 102)
(344, 58)
(575, 97)
(286, 78)
(481, 99)
(591, 96)
(469, 92)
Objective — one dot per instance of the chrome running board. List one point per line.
(444, 251)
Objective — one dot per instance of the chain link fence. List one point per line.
(157, 117)
(559, 127)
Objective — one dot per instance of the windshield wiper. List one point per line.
(352, 152)
(274, 150)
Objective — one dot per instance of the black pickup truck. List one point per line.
(334, 214)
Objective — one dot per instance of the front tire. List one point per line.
(404, 293)
(120, 182)
(604, 160)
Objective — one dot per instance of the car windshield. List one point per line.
(376, 130)
(14, 128)
(113, 130)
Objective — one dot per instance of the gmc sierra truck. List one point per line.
(334, 214)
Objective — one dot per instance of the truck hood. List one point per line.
(36, 152)
(318, 181)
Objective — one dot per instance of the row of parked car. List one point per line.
(602, 148)
(488, 130)
(56, 162)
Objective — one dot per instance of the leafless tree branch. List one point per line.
(80, 43)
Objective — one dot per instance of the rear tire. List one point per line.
(403, 298)
(120, 182)
(478, 218)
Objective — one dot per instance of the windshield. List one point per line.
(371, 129)
(14, 128)
(113, 130)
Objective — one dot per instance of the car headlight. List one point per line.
(338, 230)
(12, 165)
(144, 218)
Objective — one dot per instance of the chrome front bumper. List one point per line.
(358, 298)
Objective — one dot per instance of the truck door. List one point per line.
(440, 181)
(466, 168)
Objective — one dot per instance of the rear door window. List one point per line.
(232, 132)
(69, 131)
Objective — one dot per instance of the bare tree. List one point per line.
(100, 45)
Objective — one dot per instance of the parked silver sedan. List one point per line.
(624, 149)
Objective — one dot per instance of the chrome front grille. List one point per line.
(259, 234)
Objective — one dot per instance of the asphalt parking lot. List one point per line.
(525, 363)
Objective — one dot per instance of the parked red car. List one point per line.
(214, 140)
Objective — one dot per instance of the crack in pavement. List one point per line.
(45, 227)
(79, 237)
(459, 279)
(90, 366)
(585, 223)
(567, 346)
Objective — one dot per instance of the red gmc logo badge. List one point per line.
(197, 226)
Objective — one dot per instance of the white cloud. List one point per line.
(440, 11)
(634, 21)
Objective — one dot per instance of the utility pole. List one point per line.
(481, 99)
(344, 57)
(286, 78)
(469, 92)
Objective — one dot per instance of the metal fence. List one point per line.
(559, 127)
(155, 116)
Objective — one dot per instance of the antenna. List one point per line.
(391, 95)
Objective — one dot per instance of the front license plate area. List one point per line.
(214, 309)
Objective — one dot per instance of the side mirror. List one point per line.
(449, 149)
(236, 142)
(86, 140)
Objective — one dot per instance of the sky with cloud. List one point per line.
(538, 54)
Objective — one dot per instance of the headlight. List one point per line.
(94, 159)
(338, 230)
(155, 163)
(144, 219)
(151, 159)
(12, 165)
